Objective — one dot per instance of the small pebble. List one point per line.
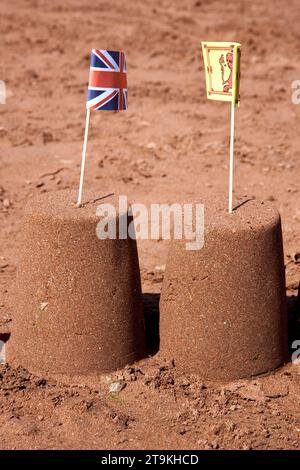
(116, 387)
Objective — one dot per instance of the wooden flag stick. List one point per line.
(86, 133)
(231, 157)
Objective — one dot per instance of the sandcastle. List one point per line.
(223, 308)
(79, 303)
(78, 298)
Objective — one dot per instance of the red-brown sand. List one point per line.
(217, 317)
(79, 305)
(171, 145)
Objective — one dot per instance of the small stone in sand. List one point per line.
(116, 387)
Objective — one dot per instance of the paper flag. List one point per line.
(108, 81)
(222, 70)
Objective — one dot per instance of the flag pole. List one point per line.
(86, 132)
(231, 156)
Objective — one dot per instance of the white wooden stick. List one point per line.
(231, 157)
(86, 133)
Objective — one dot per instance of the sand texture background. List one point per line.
(171, 144)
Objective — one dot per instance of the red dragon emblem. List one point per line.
(227, 84)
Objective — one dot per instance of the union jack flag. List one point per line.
(107, 82)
